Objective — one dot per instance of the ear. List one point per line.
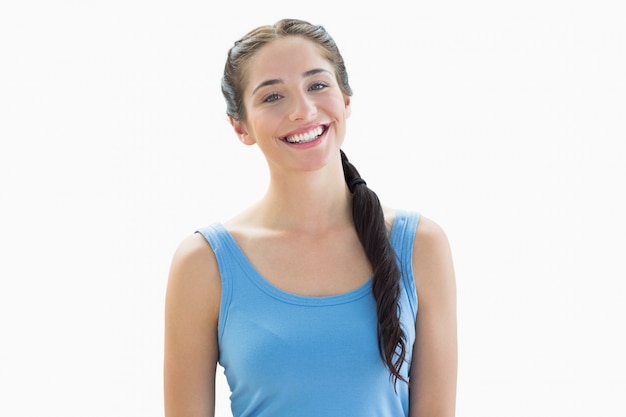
(346, 100)
(240, 130)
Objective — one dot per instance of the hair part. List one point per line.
(367, 212)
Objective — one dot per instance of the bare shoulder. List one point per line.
(429, 233)
(432, 257)
(194, 273)
(193, 249)
(194, 256)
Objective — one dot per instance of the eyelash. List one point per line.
(318, 86)
(271, 98)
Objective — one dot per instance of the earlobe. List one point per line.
(240, 130)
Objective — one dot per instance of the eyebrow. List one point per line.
(279, 81)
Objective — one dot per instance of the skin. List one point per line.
(299, 224)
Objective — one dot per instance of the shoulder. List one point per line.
(430, 241)
(430, 234)
(432, 258)
(194, 273)
(194, 253)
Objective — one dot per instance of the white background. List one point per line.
(502, 121)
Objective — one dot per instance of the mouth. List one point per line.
(305, 137)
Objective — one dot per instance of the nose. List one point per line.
(302, 108)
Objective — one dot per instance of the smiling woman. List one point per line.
(309, 298)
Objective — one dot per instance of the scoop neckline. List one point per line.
(293, 298)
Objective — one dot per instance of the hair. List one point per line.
(367, 211)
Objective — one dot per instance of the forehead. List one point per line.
(284, 58)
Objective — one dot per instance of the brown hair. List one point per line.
(367, 212)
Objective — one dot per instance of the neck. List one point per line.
(308, 201)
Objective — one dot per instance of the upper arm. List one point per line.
(434, 363)
(191, 316)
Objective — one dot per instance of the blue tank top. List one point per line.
(287, 355)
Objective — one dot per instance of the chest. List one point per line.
(319, 355)
(309, 265)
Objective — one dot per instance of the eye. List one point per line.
(271, 98)
(318, 86)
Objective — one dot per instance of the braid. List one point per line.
(369, 222)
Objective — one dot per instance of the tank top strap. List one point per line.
(402, 239)
(230, 261)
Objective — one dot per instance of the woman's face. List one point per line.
(295, 110)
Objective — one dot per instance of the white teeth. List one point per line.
(305, 137)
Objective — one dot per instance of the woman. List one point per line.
(309, 299)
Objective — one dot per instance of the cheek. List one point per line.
(340, 106)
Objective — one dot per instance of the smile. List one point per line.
(307, 136)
